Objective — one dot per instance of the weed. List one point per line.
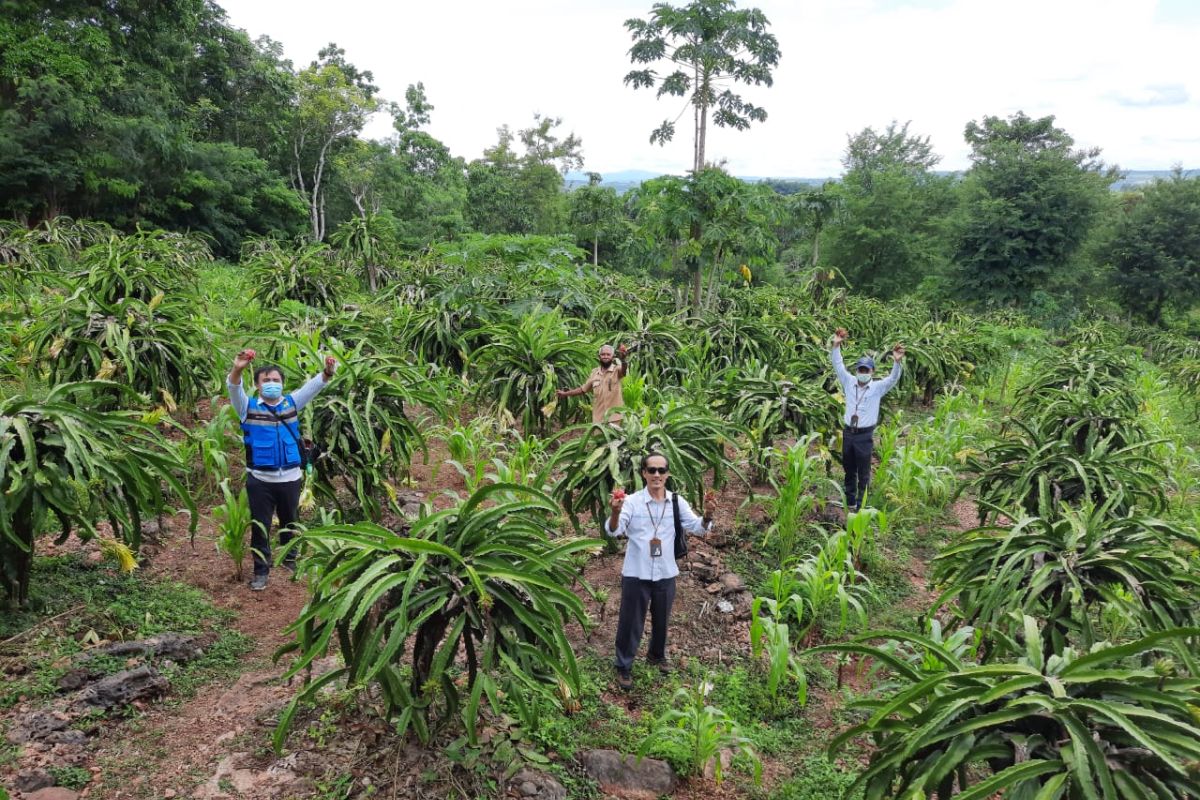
(70, 777)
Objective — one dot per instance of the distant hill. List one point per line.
(625, 180)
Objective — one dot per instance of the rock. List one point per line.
(731, 583)
(539, 785)
(75, 680)
(713, 588)
(168, 794)
(173, 646)
(30, 780)
(37, 726)
(726, 759)
(124, 688)
(743, 603)
(623, 775)
(53, 793)
(725, 607)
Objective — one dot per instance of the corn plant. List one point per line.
(1039, 725)
(774, 638)
(910, 479)
(233, 520)
(59, 459)
(436, 615)
(1065, 568)
(698, 732)
(595, 458)
(523, 362)
(826, 583)
(864, 529)
(801, 489)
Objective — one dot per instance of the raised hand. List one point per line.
(840, 336)
(898, 353)
(617, 501)
(243, 359)
(710, 504)
(330, 366)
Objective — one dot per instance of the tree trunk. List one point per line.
(595, 251)
(816, 254)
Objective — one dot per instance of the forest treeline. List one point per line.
(166, 115)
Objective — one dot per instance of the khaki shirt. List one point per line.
(605, 386)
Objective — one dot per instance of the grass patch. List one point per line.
(98, 604)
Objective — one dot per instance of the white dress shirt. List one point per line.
(861, 400)
(642, 518)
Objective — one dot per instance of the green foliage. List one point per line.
(233, 521)
(306, 273)
(1155, 251)
(1030, 201)
(1046, 724)
(595, 458)
(483, 576)
(693, 733)
(155, 347)
(366, 427)
(60, 460)
(1064, 569)
(801, 488)
(773, 638)
(525, 361)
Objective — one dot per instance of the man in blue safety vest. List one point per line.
(862, 414)
(274, 474)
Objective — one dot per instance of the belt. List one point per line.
(856, 431)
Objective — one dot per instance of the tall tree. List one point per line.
(595, 214)
(711, 46)
(1030, 200)
(334, 101)
(1155, 252)
(891, 232)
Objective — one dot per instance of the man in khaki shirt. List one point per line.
(605, 385)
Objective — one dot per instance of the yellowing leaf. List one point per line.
(168, 401)
(111, 548)
(156, 300)
(106, 371)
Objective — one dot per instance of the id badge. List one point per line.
(655, 548)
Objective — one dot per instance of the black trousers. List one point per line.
(636, 596)
(268, 500)
(856, 459)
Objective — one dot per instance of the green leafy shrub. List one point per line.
(693, 733)
(484, 576)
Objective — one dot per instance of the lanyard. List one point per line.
(661, 517)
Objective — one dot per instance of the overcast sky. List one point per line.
(1115, 73)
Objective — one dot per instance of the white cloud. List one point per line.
(846, 64)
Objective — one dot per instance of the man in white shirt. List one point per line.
(647, 519)
(862, 414)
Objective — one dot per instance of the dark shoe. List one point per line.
(624, 680)
(663, 665)
(290, 566)
(258, 583)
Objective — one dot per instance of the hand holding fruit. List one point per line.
(622, 350)
(617, 501)
(839, 336)
(330, 366)
(710, 504)
(243, 359)
(898, 353)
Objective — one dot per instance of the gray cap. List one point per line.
(865, 361)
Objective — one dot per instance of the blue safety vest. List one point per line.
(272, 434)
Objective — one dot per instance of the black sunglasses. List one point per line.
(657, 470)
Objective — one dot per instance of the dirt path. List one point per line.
(170, 751)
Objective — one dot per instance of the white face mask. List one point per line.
(864, 378)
